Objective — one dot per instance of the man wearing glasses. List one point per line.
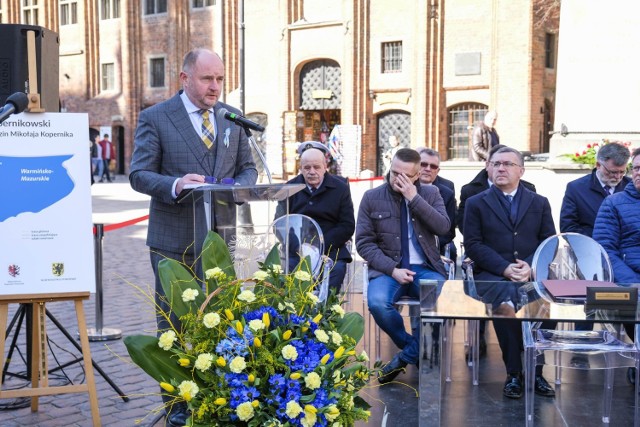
(583, 196)
(395, 234)
(429, 169)
(503, 227)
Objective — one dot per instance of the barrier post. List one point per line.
(99, 333)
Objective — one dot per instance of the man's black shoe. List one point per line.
(482, 350)
(580, 361)
(631, 375)
(392, 369)
(513, 387)
(177, 417)
(542, 387)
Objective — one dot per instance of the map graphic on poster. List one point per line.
(45, 217)
(38, 182)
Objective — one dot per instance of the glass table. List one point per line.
(443, 302)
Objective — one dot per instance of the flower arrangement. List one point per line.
(256, 352)
(587, 155)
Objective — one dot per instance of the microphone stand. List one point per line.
(254, 144)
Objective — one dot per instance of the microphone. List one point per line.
(240, 120)
(16, 104)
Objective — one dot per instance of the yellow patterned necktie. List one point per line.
(208, 132)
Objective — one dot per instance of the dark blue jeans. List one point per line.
(383, 292)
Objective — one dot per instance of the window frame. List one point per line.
(391, 56)
(68, 12)
(151, 7)
(203, 5)
(152, 72)
(107, 76)
(29, 11)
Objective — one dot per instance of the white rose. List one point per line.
(204, 361)
(211, 320)
(189, 295)
(247, 296)
(166, 340)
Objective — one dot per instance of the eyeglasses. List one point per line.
(395, 173)
(431, 166)
(614, 173)
(507, 165)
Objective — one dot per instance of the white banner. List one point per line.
(46, 242)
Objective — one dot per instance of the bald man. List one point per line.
(327, 200)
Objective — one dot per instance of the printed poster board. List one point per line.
(46, 239)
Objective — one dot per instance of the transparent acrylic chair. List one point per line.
(572, 256)
(412, 305)
(472, 331)
(300, 237)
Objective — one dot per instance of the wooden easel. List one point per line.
(39, 368)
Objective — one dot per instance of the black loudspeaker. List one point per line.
(14, 67)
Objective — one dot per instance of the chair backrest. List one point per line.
(571, 256)
(299, 236)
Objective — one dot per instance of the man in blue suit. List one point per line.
(179, 142)
(503, 227)
(583, 196)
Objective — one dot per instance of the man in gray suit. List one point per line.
(179, 142)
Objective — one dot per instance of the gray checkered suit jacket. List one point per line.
(166, 148)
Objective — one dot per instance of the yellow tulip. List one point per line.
(257, 342)
(325, 359)
(221, 362)
(339, 352)
(287, 334)
(351, 352)
(186, 396)
(167, 387)
(220, 401)
(184, 362)
(294, 376)
(305, 327)
(229, 314)
(310, 408)
(266, 320)
(255, 403)
(239, 327)
(317, 318)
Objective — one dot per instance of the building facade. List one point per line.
(419, 72)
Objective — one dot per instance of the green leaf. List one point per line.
(156, 362)
(351, 325)
(175, 279)
(273, 257)
(216, 254)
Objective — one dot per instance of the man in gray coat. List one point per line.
(180, 142)
(396, 235)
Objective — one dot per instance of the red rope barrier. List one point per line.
(112, 227)
(375, 178)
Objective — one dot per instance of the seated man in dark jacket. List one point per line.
(583, 196)
(503, 227)
(327, 200)
(429, 169)
(395, 235)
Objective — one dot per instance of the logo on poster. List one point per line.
(57, 268)
(14, 270)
